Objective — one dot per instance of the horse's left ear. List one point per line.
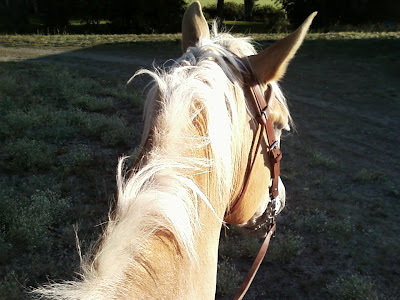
(194, 26)
(271, 64)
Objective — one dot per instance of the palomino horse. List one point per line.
(192, 175)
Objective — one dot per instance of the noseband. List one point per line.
(261, 102)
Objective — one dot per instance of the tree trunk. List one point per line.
(220, 9)
(248, 10)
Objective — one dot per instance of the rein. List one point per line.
(261, 102)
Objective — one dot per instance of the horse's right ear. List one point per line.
(194, 26)
(271, 64)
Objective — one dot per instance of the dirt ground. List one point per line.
(341, 166)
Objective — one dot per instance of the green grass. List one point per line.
(350, 286)
(228, 278)
(80, 41)
(285, 248)
(320, 160)
(144, 42)
(59, 129)
(370, 176)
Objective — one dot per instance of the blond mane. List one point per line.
(196, 104)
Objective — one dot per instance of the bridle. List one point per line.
(261, 102)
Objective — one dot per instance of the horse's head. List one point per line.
(258, 193)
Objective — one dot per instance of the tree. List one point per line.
(220, 9)
(144, 16)
(355, 12)
(14, 14)
(248, 10)
(55, 14)
(91, 11)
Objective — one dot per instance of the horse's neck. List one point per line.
(166, 271)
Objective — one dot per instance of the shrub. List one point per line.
(112, 130)
(28, 155)
(92, 103)
(273, 17)
(369, 176)
(140, 17)
(316, 221)
(78, 159)
(8, 86)
(11, 286)
(116, 137)
(353, 287)
(228, 277)
(238, 245)
(321, 160)
(25, 221)
(342, 11)
(284, 247)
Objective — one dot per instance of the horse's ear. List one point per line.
(271, 64)
(194, 26)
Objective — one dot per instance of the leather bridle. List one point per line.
(261, 101)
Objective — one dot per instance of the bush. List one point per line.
(285, 247)
(92, 103)
(228, 278)
(28, 155)
(342, 12)
(11, 286)
(273, 17)
(25, 222)
(353, 287)
(111, 130)
(78, 159)
(234, 11)
(55, 14)
(138, 16)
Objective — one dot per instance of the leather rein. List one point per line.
(261, 102)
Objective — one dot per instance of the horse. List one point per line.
(192, 174)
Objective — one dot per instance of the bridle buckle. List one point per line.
(274, 145)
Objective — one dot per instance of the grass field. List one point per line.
(67, 116)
